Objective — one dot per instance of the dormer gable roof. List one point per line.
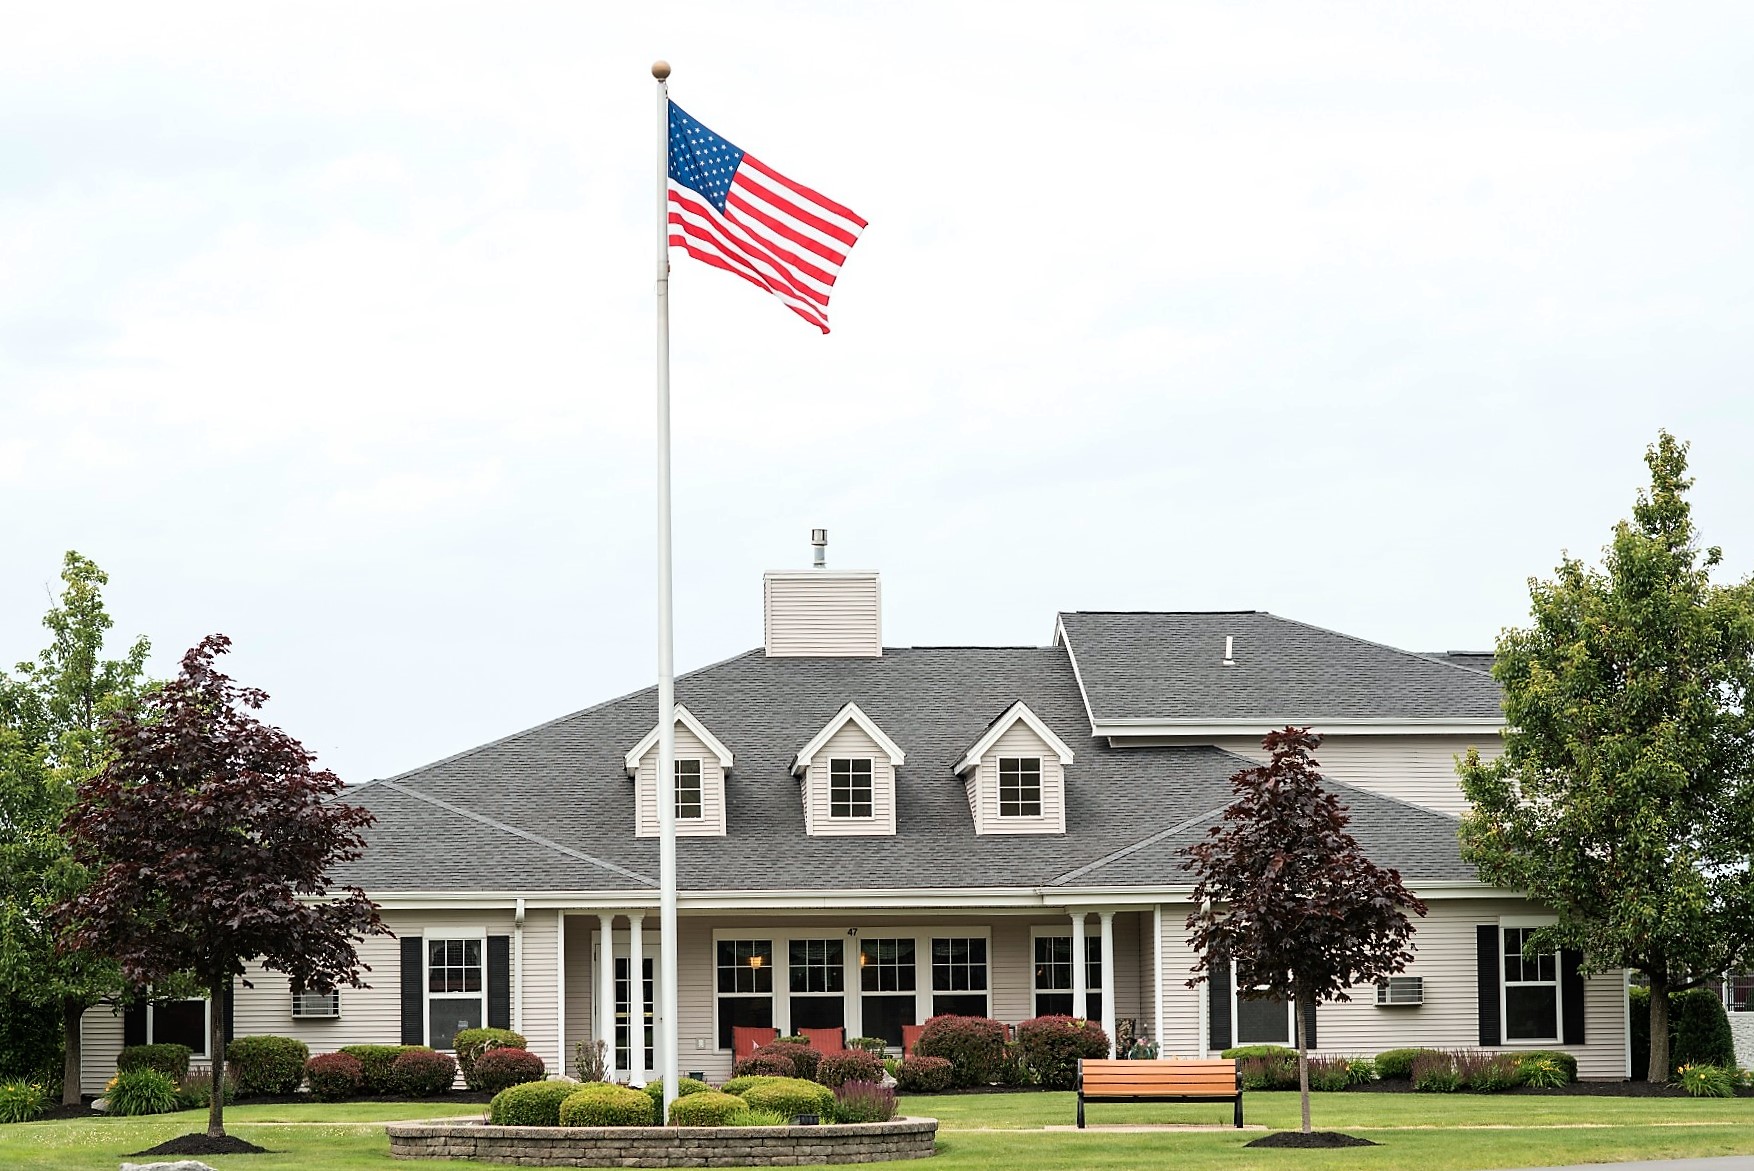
(688, 720)
(1017, 712)
(848, 714)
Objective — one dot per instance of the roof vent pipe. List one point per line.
(819, 548)
(1230, 650)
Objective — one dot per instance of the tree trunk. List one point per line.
(1298, 1013)
(1658, 1071)
(72, 1012)
(216, 991)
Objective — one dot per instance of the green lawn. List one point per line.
(1471, 1133)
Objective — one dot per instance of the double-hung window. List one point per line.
(689, 805)
(745, 971)
(1531, 990)
(959, 976)
(456, 989)
(816, 980)
(849, 788)
(1020, 786)
(886, 987)
(1053, 977)
(179, 1022)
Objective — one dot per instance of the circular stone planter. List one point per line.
(666, 1146)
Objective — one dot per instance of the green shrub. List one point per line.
(267, 1066)
(765, 1063)
(531, 1104)
(22, 1101)
(1014, 1070)
(974, 1047)
(852, 1065)
(741, 1085)
(864, 1102)
(1360, 1071)
(141, 1091)
(1488, 1073)
(470, 1044)
(758, 1118)
(375, 1063)
(1566, 1062)
(1053, 1045)
(875, 1045)
(709, 1109)
(1706, 1081)
(170, 1060)
(1434, 1072)
(1699, 1030)
(498, 1068)
(334, 1077)
(686, 1087)
(1543, 1073)
(923, 1075)
(803, 1059)
(422, 1073)
(195, 1092)
(1396, 1065)
(1278, 1052)
(791, 1097)
(607, 1104)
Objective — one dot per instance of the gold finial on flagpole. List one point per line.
(660, 69)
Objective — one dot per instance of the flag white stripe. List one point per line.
(772, 271)
(762, 272)
(838, 247)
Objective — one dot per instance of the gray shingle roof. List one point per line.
(1169, 667)
(551, 808)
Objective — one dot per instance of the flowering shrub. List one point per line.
(141, 1091)
(1053, 1045)
(853, 1065)
(764, 1063)
(803, 1059)
(498, 1068)
(864, 1101)
(1543, 1073)
(974, 1046)
(470, 1044)
(1706, 1081)
(334, 1077)
(923, 1075)
(21, 1101)
(422, 1073)
(1566, 1062)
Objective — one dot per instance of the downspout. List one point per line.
(518, 968)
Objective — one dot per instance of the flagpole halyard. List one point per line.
(666, 787)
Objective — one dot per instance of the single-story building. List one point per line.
(872, 835)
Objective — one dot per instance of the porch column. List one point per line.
(1107, 919)
(606, 992)
(1080, 976)
(636, 998)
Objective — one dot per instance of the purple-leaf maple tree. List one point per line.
(209, 837)
(1285, 893)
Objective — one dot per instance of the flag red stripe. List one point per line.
(774, 199)
(714, 260)
(704, 238)
(747, 250)
(734, 199)
(815, 197)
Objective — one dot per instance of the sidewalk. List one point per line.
(1721, 1163)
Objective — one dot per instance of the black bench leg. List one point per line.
(1080, 1110)
(1239, 1112)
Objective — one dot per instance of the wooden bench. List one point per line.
(1158, 1081)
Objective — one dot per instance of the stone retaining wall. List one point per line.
(664, 1146)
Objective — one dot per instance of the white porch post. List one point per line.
(1160, 1031)
(1080, 972)
(636, 998)
(606, 993)
(1107, 919)
(561, 1064)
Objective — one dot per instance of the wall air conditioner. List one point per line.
(309, 1005)
(1398, 991)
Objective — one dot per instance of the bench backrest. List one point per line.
(1168, 1077)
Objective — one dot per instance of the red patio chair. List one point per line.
(825, 1041)
(745, 1040)
(910, 1036)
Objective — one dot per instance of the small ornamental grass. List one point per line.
(764, 1063)
(791, 1097)
(1329, 1074)
(864, 1102)
(711, 1108)
(497, 1069)
(852, 1065)
(1053, 1045)
(267, 1066)
(1267, 1073)
(195, 1092)
(1706, 1081)
(1543, 1073)
(334, 1077)
(170, 1060)
(923, 1075)
(531, 1104)
(1444, 1071)
(22, 1101)
(1435, 1073)
(141, 1091)
(423, 1073)
(470, 1044)
(605, 1104)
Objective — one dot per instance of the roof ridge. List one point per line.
(1063, 613)
(1423, 658)
(526, 835)
(1151, 840)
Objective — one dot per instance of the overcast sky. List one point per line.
(329, 326)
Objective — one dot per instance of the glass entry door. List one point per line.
(622, 1008)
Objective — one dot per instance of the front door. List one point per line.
(623, 993)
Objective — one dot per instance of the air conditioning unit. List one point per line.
(1397, 991)
(307, 1005)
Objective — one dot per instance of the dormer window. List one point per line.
(1020, 786)
(689, 799)
(702, 761)
(849, 787)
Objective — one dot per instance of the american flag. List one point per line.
(738, 214)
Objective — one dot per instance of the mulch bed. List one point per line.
(203, 1144)
(464, 1097)
(83, 1110)
(1314, 1140)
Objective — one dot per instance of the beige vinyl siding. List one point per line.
(818, 613)
(1019, 740)
(712, 790)
(581, 985)
(849, 742)
(100, 1039)
(1420, 770)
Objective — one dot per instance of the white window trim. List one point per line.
(850, 714)
(870, 786)
(1018, 711)
(426, 942)
(700, 787)
(1236, 1040)
(206, 1024)
(781, 938)
(688, 720)
(1558, 986)
(1041, 787)
(1092, 941)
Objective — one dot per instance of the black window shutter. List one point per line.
(1309, 1028)
(1218, 997)
(134, 1024)
(1571, 996)
(499, 981)
(1486, 943)
(413, 998)
(231, 996)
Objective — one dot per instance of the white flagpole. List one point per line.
(666, 1030)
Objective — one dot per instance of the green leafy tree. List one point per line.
(1285, 893)
(1625, 795)
(51, 716)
